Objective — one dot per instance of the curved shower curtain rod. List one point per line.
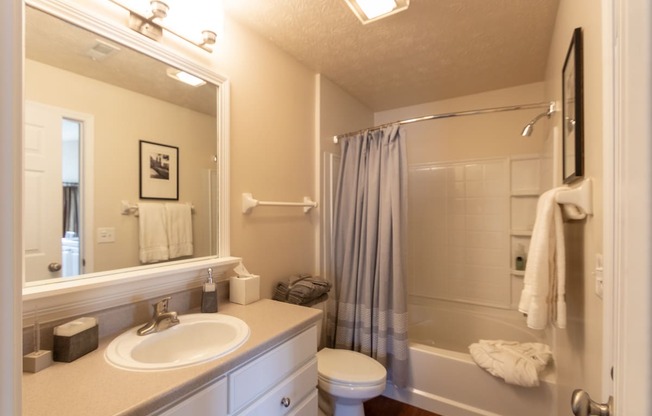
(550, 105)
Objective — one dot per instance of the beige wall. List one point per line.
(272, 154)
(578, 347)
(472, 137)
(122, 118)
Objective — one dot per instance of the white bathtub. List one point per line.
(445, 380)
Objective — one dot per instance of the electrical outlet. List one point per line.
(106, 235)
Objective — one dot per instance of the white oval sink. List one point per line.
(197, 338)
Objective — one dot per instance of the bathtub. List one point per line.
(445, 380)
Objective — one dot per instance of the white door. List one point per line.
(43, 203)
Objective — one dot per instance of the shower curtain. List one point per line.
(369, 312)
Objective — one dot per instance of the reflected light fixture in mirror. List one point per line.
(149, 20)
(185, 77)
(371, 10)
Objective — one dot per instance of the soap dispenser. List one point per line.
(209, 295)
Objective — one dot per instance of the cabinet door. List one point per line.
(288, 396)
(256, 378)
(211, 401)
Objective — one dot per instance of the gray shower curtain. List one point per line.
(369, 312)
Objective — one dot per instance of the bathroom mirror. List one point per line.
(573, 119)
(89, 102)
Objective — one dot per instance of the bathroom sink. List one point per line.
(197, 338)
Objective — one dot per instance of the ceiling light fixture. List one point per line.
(371, 10)
(150, 24)
(185, 77)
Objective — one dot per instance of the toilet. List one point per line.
(346, 379)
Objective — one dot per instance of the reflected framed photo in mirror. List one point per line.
(573, 110)
(159, 171)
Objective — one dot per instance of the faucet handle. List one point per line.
(161, 306)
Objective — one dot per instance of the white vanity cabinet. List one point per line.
(281, 381)
(209, 401)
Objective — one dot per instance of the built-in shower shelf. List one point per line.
(521, 233)
(520, 273)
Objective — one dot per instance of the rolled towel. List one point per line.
(308, 289)
(516, 363)
(301, 289)
(281, 292)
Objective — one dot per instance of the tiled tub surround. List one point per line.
(91, 386)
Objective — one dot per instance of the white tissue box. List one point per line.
(244, 289)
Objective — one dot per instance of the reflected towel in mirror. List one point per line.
(179, 229)
(152, 232)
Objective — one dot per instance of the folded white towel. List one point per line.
(516, 363)
(179, 229)
(152, 232)
(543, 295)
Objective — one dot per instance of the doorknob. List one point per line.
(54, 267)
(582, 405)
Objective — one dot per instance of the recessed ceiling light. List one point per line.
(371, 10)
(185, 77)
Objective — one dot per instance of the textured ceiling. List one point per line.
(57, 43)
(437, 49)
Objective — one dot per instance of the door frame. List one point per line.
(627, 174)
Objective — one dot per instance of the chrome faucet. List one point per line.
(162, 319)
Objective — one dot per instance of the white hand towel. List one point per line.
(543, 295)
(179, 229)
(153, 240)
(516, 363)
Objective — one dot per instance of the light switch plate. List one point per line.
(106, 235)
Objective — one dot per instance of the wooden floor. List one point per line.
(384, 406)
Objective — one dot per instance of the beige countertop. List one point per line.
(92, 386)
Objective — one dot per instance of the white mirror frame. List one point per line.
(105, 290)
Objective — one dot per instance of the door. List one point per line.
(57, 144)
(43, 202)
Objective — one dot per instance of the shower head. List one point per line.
(529, 127)
(527, 130)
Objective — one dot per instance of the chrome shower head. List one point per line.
(529, 127)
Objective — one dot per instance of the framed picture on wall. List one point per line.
(573, 110)
(159, 171)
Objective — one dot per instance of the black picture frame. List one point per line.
(159, 171)
(573, 110)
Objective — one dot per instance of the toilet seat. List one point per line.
(351, 369)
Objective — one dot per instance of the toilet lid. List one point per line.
(349, 367)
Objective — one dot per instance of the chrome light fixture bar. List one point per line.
(371, 10)
(151, 25)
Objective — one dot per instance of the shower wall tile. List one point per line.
(459, 234)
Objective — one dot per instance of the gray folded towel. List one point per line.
(301, 289)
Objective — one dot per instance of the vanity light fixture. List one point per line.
(185, 77)
(371, 10)
(150, 24)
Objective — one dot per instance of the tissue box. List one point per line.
(244, 289)
(74, 339)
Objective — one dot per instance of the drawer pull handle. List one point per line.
(285, 401)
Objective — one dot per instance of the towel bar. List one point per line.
(577, 202)
(127, 208)
(249, 203)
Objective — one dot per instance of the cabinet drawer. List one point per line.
(249, 382)
(293, 391)
(308, 407)
(209, 401)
